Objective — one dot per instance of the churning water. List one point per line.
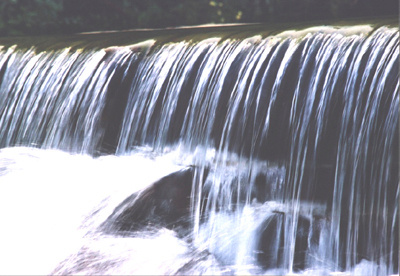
(271, 154)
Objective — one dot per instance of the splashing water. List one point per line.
(261, 155)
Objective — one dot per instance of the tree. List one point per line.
(23, 17)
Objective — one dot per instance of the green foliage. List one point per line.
(20, 17)
(33, 17)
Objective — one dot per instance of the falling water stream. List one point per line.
(226, 153)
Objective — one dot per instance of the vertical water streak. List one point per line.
(158, 88)
(55, 99)
(361, 168)
(304, 126)
(307, 120)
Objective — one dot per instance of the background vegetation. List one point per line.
(34, 17)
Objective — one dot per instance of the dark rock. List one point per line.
(268, 185)
(271, 244)
(270, 247)
(165, 203)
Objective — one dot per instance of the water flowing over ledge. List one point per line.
(245, 150)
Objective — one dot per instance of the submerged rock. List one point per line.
(165, 203)
(271, 246)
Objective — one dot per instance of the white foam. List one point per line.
(50, 199)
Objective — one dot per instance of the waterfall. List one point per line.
(250, 152)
